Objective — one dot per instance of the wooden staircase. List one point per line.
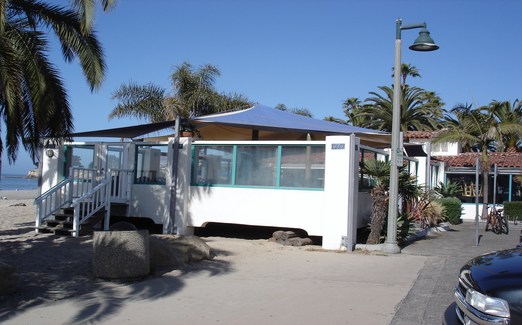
(78, 204)
(61, 223)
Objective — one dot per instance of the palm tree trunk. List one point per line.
(379, 213)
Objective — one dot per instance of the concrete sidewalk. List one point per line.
(447, 251)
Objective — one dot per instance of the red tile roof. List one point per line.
(469, 159)
(419, 134)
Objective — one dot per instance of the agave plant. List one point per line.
(425, 212)
(447, 190)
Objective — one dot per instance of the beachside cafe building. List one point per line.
(450, 165)
(259, 166)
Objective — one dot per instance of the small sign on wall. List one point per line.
(337, 146)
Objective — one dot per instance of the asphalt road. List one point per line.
(447, 251)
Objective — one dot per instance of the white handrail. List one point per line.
(80, 181)
(84, 191)
(90, 203)
(52, 201)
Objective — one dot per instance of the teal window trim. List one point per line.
(278, 165)
(279, 150)
(510, 187)
(234, 164)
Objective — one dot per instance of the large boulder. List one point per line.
(177, 251)
(121, 254)
(7, 278)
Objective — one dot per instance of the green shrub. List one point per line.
(513, 210)
(452, 209)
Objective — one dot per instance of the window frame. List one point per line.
(278, 159)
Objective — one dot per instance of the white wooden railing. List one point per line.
(91, 202)
(87, 191)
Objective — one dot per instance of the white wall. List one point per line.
(150, 201)
(331, 213)
(49, 169)
(469, 211)
(264, 207)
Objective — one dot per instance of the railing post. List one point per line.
(76, 221)
(108, 191)
(38, 222)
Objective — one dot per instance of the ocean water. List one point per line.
(17, 182)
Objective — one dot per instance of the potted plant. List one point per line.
(187, 131)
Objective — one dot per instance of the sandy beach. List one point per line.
(247, 282)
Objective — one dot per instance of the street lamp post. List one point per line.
(423, 43)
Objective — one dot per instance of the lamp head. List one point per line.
(424, 42)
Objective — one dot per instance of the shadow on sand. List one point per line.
(51, 268)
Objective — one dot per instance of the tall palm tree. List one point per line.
(353, 110)
(476, 131)
(407, 70)
(509, 123)
(33, 100)
(420, 110)
(193, 95)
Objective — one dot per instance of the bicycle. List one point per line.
(498, 222)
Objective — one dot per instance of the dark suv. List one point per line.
(490, 290)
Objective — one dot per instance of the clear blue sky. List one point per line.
(302, 53)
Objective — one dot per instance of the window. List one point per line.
(213, 165)
(114, 157)
(256, 165)
(78, 156)
(277, 166)
(302, 166)
(82, 157)
(468, 188)
(439, 147)
(151, 164)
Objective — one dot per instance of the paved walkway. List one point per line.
(447, 251)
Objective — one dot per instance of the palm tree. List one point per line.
(193, 95)
(334, 119)
(281, 107)
(476, 131)
(33, 100)
(379, 173)
(302, 111)
(353, 110)
(142, 101)
(408, 70)
(296, 110)
(420, 110)
(85, 9)
(509, 123)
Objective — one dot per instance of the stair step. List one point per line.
(62, 225)
(63, 216)
(63, 232)
(44, 229)
(59, 224)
